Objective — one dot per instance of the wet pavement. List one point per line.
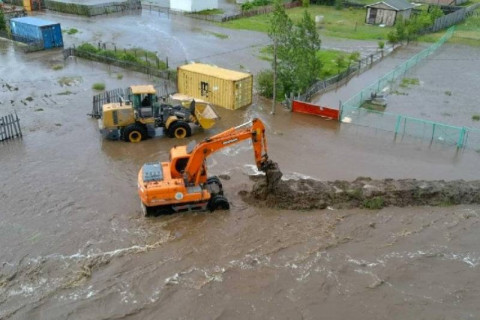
(76, 246)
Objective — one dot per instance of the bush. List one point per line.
(87, 47)
(98, 86)
(264, 83)
(381, 45)
(476, 117)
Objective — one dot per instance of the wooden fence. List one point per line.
(451, 19)
(10, 127)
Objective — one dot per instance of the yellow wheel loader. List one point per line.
(136, 115)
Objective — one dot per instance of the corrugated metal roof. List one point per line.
(215, 71)
(395, 4)
(34, 21)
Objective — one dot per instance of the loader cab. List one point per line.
(144, 100)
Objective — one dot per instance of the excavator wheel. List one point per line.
(218, 202)
(179, 130)
(134, 133)
(215, 181)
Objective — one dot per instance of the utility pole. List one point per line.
(274, 75)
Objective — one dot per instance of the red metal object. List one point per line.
(308, 108)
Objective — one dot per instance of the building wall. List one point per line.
(386, 17)
(193, 5)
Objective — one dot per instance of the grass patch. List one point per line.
(98, 86)
(446, 114)
(71, 31)
(476, 117)
(399, 93)
(407, 82)
(38, 110)
(347, 23)
(215, 34)
(29, 99)
(119, 76)
(57, 67)
(64, 93)
(218, 35)
(68, 81)
(448, 93)
(374, 203)
(209, 12)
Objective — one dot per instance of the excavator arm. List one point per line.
(254, 130)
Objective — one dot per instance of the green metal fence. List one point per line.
(351, 111)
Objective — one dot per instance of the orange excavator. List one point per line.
(182, 183)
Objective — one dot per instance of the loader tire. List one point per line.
(218, 202)
(179, 130)
(134, 133)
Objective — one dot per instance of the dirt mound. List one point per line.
(307, 194)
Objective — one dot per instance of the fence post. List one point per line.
(397, 125)
(460, 142)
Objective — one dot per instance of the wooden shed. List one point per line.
(222, 87)
(386, 12)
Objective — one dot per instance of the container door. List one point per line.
(47, 35)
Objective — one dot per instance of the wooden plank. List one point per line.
(18, 122)
(2, 130)
(14, 125)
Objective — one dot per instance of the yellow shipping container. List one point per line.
(27, 5)
(222, 87)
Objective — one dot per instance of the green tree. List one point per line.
(280, 32)
(307, 65)
(3, 23)
(295, 63)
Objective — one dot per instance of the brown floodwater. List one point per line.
(74, 244)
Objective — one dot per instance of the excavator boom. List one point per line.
(254, 130)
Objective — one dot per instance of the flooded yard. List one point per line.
(76, 246)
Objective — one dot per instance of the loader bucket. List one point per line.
(205, 115)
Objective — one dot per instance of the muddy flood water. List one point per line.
(74, 243)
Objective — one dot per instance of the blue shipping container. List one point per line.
(30, 29)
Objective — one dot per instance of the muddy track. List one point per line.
(364, 192)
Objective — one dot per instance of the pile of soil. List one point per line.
(364, 192)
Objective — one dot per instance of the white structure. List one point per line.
(193, 5)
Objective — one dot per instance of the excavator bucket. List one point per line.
(205, 115)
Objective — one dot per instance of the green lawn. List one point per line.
(346, 23)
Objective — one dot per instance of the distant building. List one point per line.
(386, 12)
(193, 5)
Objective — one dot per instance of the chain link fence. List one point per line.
(401, 125)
